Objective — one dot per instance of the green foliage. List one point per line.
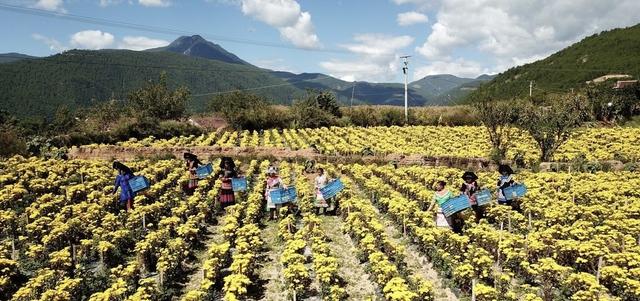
(63, 121)
(155, 100)
(613, 105)
(318, 109)
(11, 143)
(498, 117)
(36, 87)
(328, 103)
(609, 52)
(552, 123)
(249, 111)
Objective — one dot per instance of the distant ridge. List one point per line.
(197, 46)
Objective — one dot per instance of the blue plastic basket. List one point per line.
(331, 189)
(514, 191)
(204, 171)
(284, 195)
(483, 197)
(139, 183)
(239, 184)
(457, 204)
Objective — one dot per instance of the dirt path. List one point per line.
(271, 269)
(214, 236)
(359, 286)
(131, 153)
(416, 262)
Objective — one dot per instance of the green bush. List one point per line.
(11, 143)
(135, 128)
(171, 128)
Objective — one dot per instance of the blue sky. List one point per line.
(350, 39)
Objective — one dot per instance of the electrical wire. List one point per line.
(153, 29)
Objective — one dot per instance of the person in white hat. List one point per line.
(273, 183)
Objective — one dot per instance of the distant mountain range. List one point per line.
(77, 78)
(13, 56)
(197, 46)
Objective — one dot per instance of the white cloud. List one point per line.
(458, 67)
(155, 3)
(52, 5)
(105, 3)
(508, 33)
(377, 58)
(141, 43)
(53, 44)
(421, 5)
(293, 24)
(92, 39)
(411, 18)
(96, 39)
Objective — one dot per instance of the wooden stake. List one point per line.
(13, 248)
(529, 221)
(473, 289)
(294, 295)
(599, 267)
(144, 221)
(499, 241)
(404, 226)
(509, 220)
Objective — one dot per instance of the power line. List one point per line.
(149, 28)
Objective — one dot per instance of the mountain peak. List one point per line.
(197, 46)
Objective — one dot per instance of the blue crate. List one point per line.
(239, 184)
(483, 197)
(331, 189)
(139, 183)
(284, 195)
(204, 171)
(514, 191)
(457, 204)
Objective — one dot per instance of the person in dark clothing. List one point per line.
(469, 188)
(192, 164)
(122, 182)
(505, 180)
(226, 173)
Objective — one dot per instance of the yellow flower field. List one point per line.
(576, 236)
(460, 142)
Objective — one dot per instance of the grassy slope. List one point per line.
(614, 51)
(74, 78)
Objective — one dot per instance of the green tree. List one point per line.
(498, 117)
(248, 111)
(552, 123)
(63, 121)
(612, 105)
(327, 102)
(11, 143)
(317, 109)
(156, 100)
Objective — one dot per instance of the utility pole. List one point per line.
(405, 70)
(353, 90)
(530, 88)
